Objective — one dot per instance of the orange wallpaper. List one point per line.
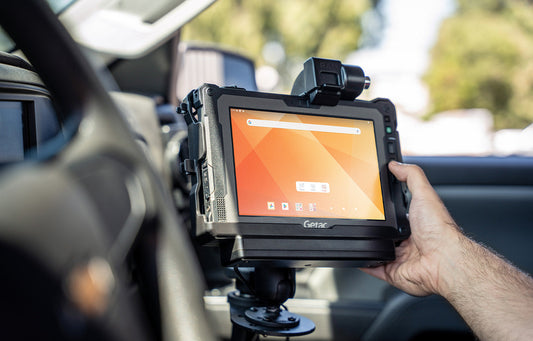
(338, 172)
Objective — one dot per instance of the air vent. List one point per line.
(221, 209)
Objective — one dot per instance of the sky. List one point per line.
(398, 59)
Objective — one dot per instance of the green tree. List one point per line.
(484, 59)
(324, 28)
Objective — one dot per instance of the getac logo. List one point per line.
(315, 225)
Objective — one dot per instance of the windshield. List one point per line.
(58, 6)
(458, 71)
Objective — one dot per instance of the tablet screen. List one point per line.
(296, 165)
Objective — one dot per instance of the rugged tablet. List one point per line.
(283, 182)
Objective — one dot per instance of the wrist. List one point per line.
(453, 272)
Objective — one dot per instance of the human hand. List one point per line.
(433, 247)
(492, 296)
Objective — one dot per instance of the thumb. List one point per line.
(412, 174)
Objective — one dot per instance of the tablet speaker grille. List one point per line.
(221, 209)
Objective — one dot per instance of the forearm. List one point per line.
(494, 297)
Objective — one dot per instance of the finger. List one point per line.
(378, 272)
(412, 174)
(421, 190)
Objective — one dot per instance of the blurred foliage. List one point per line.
(322, 28)
(484, 59)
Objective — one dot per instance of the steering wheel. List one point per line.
(80, 225)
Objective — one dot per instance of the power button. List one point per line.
(391, 147)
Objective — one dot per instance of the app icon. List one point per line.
(271, 205)
(312, 207)
(299, 206)
(312, 187)
(285, 206)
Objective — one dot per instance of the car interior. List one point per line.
(95, 238)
